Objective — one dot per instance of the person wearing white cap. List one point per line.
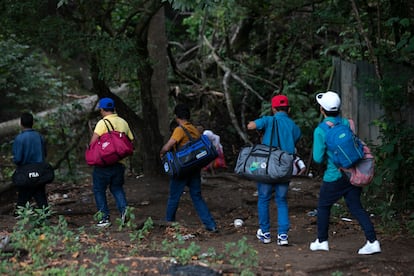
(335, 184)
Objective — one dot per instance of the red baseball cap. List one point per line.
(280, 100)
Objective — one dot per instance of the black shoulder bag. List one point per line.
(33, 175)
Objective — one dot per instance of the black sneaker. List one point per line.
(104, 222)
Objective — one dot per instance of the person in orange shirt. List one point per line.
(193, 179)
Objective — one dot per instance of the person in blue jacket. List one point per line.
(28, 148)
(289, 134)
(335, 184)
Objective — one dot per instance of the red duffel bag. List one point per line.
(109, 148)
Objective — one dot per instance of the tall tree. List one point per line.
(157, 48)
(113, 36)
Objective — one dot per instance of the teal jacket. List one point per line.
(320, 154)
(289, 132)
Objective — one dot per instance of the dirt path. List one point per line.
(229, 198)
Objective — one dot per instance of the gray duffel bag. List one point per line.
(265, 164)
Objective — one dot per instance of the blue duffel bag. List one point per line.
(193, 156)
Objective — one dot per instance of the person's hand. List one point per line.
(302, 171)
(251, 125)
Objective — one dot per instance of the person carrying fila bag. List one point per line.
(336, 184)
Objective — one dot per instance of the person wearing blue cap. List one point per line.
(111, 176)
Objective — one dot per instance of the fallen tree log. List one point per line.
(86, 104)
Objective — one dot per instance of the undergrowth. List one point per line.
(39, 247)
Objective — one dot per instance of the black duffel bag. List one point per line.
(32, 175)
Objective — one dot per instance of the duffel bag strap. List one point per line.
(187, 133)
(270, 144)
(106, 124)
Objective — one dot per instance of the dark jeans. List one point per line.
(112, 176)
(330, 193)
(176, 190)
(25, 194)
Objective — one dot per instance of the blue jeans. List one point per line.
(177, 186)
(331, 192)
(112, 176)
(265, 192)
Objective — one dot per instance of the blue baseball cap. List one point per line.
(106, 103)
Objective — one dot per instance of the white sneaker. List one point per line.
(370, 248)
(263, 237)
(282, 239)
(4, 240)
(316, 245)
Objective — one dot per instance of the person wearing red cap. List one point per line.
(288, 134)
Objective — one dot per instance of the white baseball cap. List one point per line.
(329, 101)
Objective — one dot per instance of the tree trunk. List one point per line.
(146, 128)
(157, 49)
(151, 137)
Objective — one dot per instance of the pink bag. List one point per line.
(219, 162)
(109, 148)
(362, 173)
